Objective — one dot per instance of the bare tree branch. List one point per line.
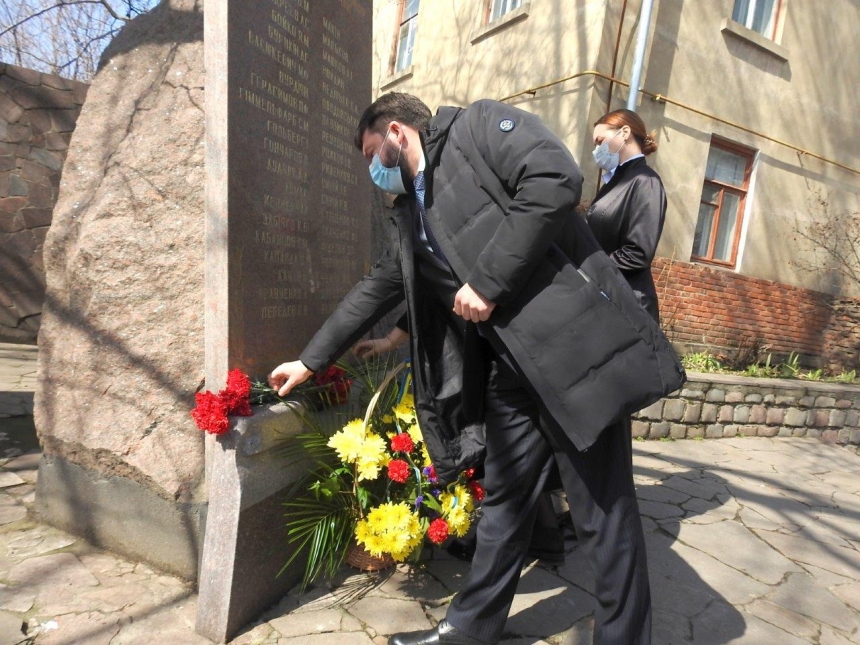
(833, 240)
(60, 4)
(63, 36)
(833, 237)
(84, 48)
(111, 11)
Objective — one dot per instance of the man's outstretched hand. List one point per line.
(287, 375)
(471, 305)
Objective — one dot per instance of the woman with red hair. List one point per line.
(628, 212)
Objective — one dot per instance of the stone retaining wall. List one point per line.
(720, 405)
(38, 113)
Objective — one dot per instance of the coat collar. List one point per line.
(622, 171)
(433, 139)
(437, 133)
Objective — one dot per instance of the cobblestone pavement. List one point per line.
(17, 379)
(750, 540)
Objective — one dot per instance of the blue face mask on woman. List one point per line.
(388, 179)
(607, 160)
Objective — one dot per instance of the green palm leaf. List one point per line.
(320, 527)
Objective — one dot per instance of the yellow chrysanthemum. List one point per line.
(426, 455)
(357, 426)
(362, 531)
(459, 522)
(462, 491)
(415, 432)
(390, 528)
(348, 441)
(457, 508)
(375, 545)
(405, 410)
(371, 457)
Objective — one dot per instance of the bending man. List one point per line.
(526, 341)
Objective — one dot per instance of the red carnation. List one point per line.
(398, 470)
(210, 414)
(438, 531)
(238, 383)
(235, 395)
(341, 389)
(331, 375)
(477, 490)
(241, 408)
(402, 443)
(335, 377)
(235, 403)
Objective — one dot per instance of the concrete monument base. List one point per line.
(245, 543)
(120, 514)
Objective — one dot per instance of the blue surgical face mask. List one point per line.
(388, 179)
(607, 160)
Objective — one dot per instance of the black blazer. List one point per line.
(627, 218)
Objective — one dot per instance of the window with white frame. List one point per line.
(499, 8)
(758, 15)
(721, 207)
(406, 35)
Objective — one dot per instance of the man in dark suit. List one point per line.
(526, 341)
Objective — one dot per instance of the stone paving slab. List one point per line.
(751, 541)
(17, 380)
(15, 404)
(17, 367)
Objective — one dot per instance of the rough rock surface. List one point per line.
(121, 345)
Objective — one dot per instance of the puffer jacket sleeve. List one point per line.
(376, 295)
(545, 183)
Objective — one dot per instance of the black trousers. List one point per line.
(599, 487)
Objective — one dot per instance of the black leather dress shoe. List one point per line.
(443, 634)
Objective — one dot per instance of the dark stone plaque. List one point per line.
(288, 232)
(289, 203)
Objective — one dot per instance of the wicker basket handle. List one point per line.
(390, 377)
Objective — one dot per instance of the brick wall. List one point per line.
(705, 307)
(842, 337)
(38, 113)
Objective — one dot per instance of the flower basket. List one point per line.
(372, 497)
(359, 558)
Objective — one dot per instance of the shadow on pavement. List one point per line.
(17, 436)
(550, 602)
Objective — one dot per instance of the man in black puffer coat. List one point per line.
(526, 341)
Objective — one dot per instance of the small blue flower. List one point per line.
(419, 500)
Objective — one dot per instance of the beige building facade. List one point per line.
(792, 83)
(751, 101)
